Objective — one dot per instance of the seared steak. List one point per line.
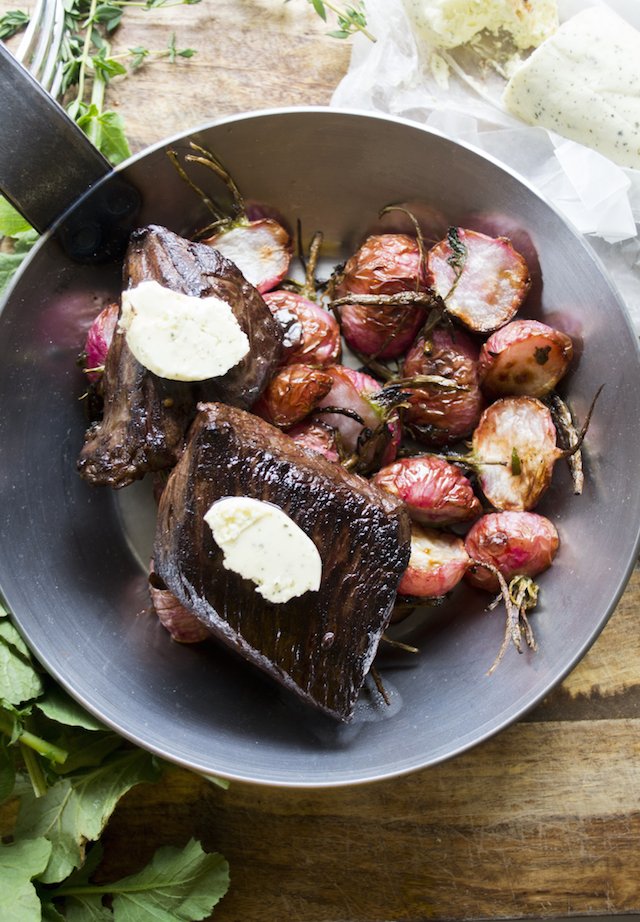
(320, 644)
(143, 425)
(145, 417)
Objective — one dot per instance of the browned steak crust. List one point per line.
(145, 418)
(321, 644)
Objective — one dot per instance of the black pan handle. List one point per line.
(49, 170)
(46, 161)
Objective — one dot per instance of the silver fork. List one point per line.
(40, 44)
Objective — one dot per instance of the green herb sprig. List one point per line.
(67, 772)
(12, 22)
(351, 19)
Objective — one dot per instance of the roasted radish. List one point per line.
(385, 264)
(260, 247)
(482, 280)
(434, 491)
(514, 450)
(312, 334)
(182, 624)
(98, 341)
(292, 394)
(437, 415)
(437, 563)
(515, 543)
(525, 357)
(317, 436)
(369, 428)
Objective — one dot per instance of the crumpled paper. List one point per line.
(397, 75)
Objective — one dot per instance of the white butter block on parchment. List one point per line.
(584, 83)
(449, 23)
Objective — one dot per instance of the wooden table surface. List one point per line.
(542, 820)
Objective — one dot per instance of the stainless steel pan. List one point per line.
(73, 558)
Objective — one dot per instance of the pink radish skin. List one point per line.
(349, 391)
(182, 624)
(99, 339)
(437, 416)
(515, 432)
(515, 543)
(492, 284)
(261, 249)
(292, 394)
(434, 491)
(319, 340)
(316, 437)
(385, 264)
(525, 357)
(437, 563)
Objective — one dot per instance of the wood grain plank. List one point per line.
(606, 683)
(251, 54)
(498, 831)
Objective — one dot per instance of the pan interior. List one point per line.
(73, 558)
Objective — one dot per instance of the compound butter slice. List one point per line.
(180, 337)
(583, 83)
(263, 544)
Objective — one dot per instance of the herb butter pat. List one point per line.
(262, 544)
(180, 337)
(450, 23)
(583, 84)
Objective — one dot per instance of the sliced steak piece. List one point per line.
(200, 271)
(143, 424)
(322, 643)
(145, 417)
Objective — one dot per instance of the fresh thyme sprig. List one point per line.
(351, 19)
(12, 22)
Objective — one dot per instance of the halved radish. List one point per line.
(482, 280)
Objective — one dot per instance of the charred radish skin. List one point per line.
(317, 649)
(439, 416)
(313, 333)
(292, 394)
(385, 264)
(525, 357)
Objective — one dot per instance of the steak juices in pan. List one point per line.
(304, 505)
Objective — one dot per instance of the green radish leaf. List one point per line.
(178, 885)
(19, 864)
(11, 221)
(75, 810)
(19, 681)
(86, 749)
(51, 914)
(59, 706)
